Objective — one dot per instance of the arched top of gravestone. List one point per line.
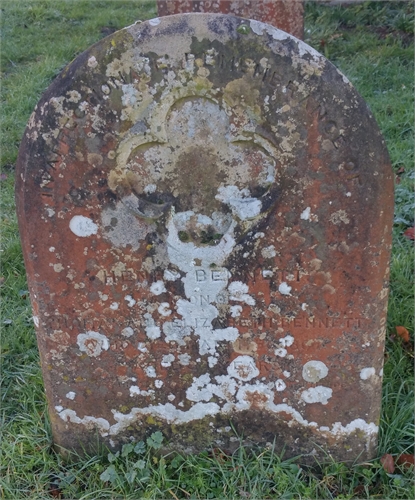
(258, 87)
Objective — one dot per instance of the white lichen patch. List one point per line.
(184, 359)
(164, 309)
(102, 296)
(58, 268)
(287, 341)
(122, 226)
(167, 412)
(127, 331)
(304, 48)
(370, 429)
(225, 388)
(280, 352)
(92, 62)
(274, 308)
(305, 214)
(338, 217)
(94, 159)
(157, 288)
(150, 188)
(71, 395)
(152, 330)
(130, 301)
(92, 343)
(319, 394)
(280, 385)
(167, 360)
(212, 361)
(268, 252)
(73, 96)
(130, 95)
(90, 423)
(284, 288)
(238, 291)
(150, 371)
(158, 384)
(242, 204)
(176, 331)
(134, 390)
(203, 287)
(258, 28)
(142, 347)
(367, 373)
(208, 345)
(82, 226)
(235, 311)
(171, 275)
(201, 389)
(243, 368)
(313, 371)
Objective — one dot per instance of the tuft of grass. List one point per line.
(372, 43)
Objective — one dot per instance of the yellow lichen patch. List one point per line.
(245, 346)
(242, 94)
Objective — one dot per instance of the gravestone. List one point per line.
(286, 15)
(205, 206)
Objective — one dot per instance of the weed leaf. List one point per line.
(410, 233)
(359, 490)
(403, 333)
(155, 440)
(140, 448)
(144, 475)
(109, 475)
(127, 449)
(113, 457)
(140, 464)
(388, 463)
(406, 460)
(176, 462)
(130, 476)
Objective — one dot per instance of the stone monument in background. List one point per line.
(205, 206)
(286, 15)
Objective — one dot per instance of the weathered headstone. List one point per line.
(205, 207)
(286, 15)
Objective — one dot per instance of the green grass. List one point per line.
(372, 44)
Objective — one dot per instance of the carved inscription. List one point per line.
(301, 322)
(59, 322)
